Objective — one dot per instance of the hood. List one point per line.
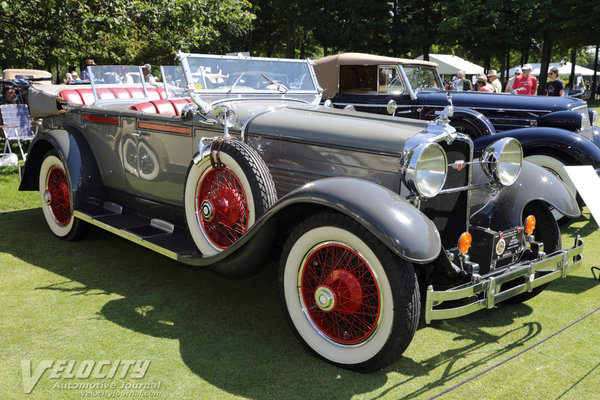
(500, 100)
(336, 128)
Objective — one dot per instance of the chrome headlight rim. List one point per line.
(502, 161)
(422, 175)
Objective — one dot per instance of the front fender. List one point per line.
(505, 210)
(398, 224)
(568, 146)
(77, 156)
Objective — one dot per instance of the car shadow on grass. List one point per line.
(232, 333)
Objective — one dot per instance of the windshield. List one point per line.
(422, 77)
(232, 74)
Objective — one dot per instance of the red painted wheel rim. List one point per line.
(60, 200)
(334, 268)
(221, 191)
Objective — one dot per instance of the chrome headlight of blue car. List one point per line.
(503, 160)
(426, 169)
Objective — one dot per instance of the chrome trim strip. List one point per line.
(557, 265)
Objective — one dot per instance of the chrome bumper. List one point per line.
(556, 265)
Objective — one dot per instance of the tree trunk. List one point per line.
(594, 87)
(573, 61)
(425, 50)
(290, 48)
(546, 55)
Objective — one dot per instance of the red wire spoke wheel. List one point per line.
(348, 297)
(223, 206)
(59, 200)
(56, 198)
(340, 293)
(222, 203)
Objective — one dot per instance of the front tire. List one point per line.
(222, 203)
(546, 231)
(350, 300)
(57, 201)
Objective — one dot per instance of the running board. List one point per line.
(155, 234)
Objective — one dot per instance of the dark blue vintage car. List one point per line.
(560, 130)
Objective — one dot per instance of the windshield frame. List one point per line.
(413, 91)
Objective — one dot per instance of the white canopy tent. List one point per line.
(449, 64)
(563, 69)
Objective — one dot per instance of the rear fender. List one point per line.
(77, 156)
(505, 210)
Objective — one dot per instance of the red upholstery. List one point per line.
(121, 93)
(146, 107)
(87, 96)
(136, 93)
(157, 104)
(153, 94)
(105, 94)
(72, 96)
(179, 104)
(164, 107)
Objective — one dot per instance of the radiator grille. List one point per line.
(449, 211)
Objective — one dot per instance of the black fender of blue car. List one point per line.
(505, 209)
(570, 147)
(75, 153)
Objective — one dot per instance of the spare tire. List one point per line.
(225, 194)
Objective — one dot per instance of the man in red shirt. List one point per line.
(525, 84)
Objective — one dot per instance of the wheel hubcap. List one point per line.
(325, 298)
(47, 197)
(207, 210)
(340, 293)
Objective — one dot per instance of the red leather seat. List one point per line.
(121, 93)
(164, 107)
(72, 96)
(153, 94)
(146, 107)
(178, 104)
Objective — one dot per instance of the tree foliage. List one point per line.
(496, 34)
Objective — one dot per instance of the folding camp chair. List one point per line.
(16, 125)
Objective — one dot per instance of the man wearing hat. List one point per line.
(511, 81)
(493, 79)
(525, 84)
(85, 75)
(148, 77)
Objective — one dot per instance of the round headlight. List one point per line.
(427, 168)
(502, 161)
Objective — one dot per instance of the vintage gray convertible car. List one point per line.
(373, 217)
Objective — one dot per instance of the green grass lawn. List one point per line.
(104, 298)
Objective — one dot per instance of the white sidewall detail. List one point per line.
(191, 210)
(58, 229)
(338, 353)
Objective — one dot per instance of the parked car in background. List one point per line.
(564, 134)
(234, 160)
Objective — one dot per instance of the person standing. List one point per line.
(483, 85)
(511, 81)
(555, 87)
(85, 76)
(461, 83)
(525, 84)
(493, 79)
(147, 71)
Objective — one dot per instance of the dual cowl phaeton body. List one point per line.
(233, 161)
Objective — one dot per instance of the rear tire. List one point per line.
(56, 196)
(349, 299)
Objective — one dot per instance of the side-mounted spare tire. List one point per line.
(224, 195)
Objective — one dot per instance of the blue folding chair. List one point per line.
(16, 126)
